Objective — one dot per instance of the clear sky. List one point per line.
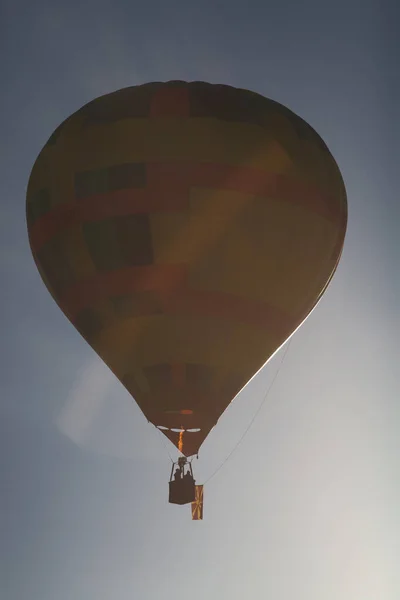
(307, 508)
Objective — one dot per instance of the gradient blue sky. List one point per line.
(307, 508)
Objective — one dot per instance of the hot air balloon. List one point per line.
(186, 230)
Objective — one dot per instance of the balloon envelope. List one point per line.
(186, 230)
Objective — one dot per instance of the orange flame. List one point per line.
(180, 441)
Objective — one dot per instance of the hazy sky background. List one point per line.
(307, 508)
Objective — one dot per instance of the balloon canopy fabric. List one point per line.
(186, 230)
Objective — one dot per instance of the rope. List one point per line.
(254, 416)
(164, 444)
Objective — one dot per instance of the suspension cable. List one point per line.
(164, 444)
(269, 388)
